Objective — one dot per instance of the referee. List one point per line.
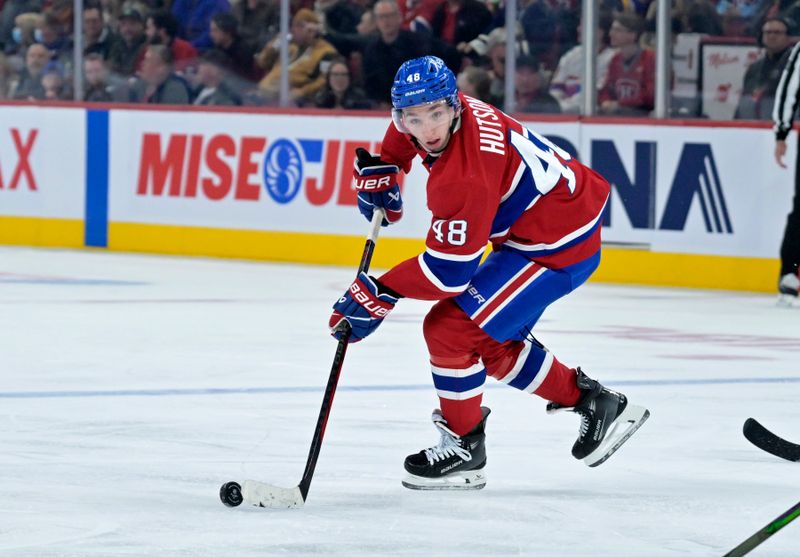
(786, 103)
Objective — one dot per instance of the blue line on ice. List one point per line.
(367, 388)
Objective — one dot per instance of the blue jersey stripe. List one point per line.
(459, 384)
(529, 370)
(451, 273)
(512, 208)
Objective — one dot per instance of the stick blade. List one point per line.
(268, 496)
(767, 441)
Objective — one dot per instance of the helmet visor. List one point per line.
(416, 120)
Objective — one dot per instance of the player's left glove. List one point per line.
(364, 306)
(376, 183)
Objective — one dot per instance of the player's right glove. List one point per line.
(376, 183)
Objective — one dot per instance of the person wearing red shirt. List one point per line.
(491, 180)
(629, 88)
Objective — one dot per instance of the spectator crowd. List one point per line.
(343, 54)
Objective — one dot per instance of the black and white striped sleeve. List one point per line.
(786, 95)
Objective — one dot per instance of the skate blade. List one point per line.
(620, 431)
(787, 301)
(458, 481)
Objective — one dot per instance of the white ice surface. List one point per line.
(120, 418)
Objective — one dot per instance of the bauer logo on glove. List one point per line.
(377, 184)
(363, 306)
(367, 301)
(375, 181)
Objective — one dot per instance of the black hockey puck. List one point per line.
(231, 494)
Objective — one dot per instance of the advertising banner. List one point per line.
(287, 173)
(714, 191)
(42, 162)
(675, 189)
(723, 67)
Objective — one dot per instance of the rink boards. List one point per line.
(692, 205)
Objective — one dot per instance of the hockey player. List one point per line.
(490, 180)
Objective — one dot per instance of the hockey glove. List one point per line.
(363, 306)
(376, 183)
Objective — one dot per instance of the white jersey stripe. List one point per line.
(449, 372)
(535, 199)
(500, 290)
(564, 240)
(499, 234)
(786, 94)
(453, 257)
(450, 395)
(510, 296)
(511, 375)
(515, 182)
(434, 280)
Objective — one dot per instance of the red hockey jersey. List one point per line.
(496, 182)
(632, 83)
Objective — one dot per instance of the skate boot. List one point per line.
(788, 288)
(455, 463)
(607, 420)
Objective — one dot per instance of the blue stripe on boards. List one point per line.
(459, 384)
(96, 227)
(369, 388)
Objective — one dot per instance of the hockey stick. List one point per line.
(260, 494)
(765, 440)
(755, 540)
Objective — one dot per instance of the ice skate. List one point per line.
(788, 289)
(457, 462)
(607, 420)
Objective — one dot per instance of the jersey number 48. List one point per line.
(453, 232)
(544, 160)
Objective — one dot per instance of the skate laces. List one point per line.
(583, 428)
(586, 416)
(448, 446)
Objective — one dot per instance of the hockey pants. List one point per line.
(487, 331)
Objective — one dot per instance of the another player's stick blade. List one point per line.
(765, 440)
(620, 431)
(458, 481)
(260, 494)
